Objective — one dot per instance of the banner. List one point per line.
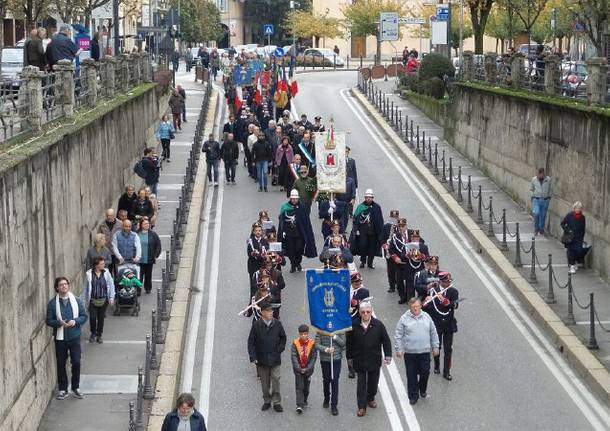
(328, 294)
(330, 161)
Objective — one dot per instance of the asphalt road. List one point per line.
(506, 374)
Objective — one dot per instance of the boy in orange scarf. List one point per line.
(303, 357)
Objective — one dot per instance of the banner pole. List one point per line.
(331, 359)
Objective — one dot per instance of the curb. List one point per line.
(564, 339)
(171, 359)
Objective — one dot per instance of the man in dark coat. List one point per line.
(230, 126)
(330, 210)
(295, 232)
(348, 198)
(357, 294)
(150, 163)
(185, 412)
(95, 46)
(266, 342)
(388, 231)
(364, 344)
(229, 152)
(365, 238)
(427, 278)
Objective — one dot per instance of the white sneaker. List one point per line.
(572, 269)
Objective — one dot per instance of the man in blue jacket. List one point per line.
(66, 314)
(185, 416)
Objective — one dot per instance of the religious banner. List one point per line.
(328, 294)
(330, 161)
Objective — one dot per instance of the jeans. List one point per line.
(230, 170)
(213, 166)
(331, 386)
(270, 379)
(62, 349)
(96, 319)
(539, 209)
(184, 114)
(261, 173)
(418, 371)
(153, 187)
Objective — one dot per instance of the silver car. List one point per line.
(12, 63)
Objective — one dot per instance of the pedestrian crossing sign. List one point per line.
(268, 29)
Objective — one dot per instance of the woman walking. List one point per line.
(98, 292)
(98, 249)
(574, 226)
(165, 134)
(151, 249)
(283, 159)
(142, 207)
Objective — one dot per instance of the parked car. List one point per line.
(321, 56)
(194, 53)
(12, 63)
(533, 49)
(574, 76)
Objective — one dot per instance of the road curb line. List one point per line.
(564, 339)
(168, 378)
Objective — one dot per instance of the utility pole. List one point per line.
(115, 26)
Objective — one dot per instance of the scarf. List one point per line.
(577, 216)
(286, 206)
(60, 331)
(361, 208)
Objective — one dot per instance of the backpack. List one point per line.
(138, 168)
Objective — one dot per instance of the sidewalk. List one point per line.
(584, 281)
(109, 371)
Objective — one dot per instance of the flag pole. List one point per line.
(331, 359)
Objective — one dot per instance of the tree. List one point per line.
(595, 15)
(429, 10)
(502, 25)
(312, 25)
(528, 12)
(30, 10)
(362, 17)
(479, 13)
(200, 21)
(542, 31)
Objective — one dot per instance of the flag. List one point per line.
(328, 295)
(257, 93)
(294, 88)
(238, 98)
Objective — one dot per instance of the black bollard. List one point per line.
(417, 147)
(451, 174)
(550, 294)
(532, 278)
(480, 208)
(444, 176)
(153, 356)
(569, 319)
(592, 344)
(460, 198)
(148, 389)
(503, 244)
(469, 202)
(436, 158)
(164, 312)
(430, 165)
(517, 263)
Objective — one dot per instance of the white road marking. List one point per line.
(403, 398)
(591, 408)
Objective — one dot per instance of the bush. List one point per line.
(410, 81)
(436, 88)
(435, 66)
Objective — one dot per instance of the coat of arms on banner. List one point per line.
(330, 161)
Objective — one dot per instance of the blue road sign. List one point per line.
(279, 52)
(268, 29)
(442, 12)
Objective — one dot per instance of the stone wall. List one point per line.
(509, 136)
(53, 192)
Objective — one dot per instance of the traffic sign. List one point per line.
(388, 26)
(411, 20)
(268, 29)
(442, 12)
(279, 52)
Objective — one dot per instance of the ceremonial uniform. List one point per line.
(388, 231)
(365, 238)
(424, 277)
(257, 247)
(295, 232)
(441, 310)
(329, 211)
(336, 260)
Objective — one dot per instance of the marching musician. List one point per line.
(330, 210)
(357, 294)
(336, 255)
(278, 255)
(268, 288)
(257, 247)
(400, 254)
(417, 254)
(428, 277)
(295, 232)
(388, 231)
(335, 229)
(275, 275)
(365, 238)
(263, 216)
(441, 302)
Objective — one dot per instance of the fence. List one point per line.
(39, 97)
(168, 276)
(589, 82)
(485, 214)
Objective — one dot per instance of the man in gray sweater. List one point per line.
(415, 337)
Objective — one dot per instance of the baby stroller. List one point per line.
(127, 290)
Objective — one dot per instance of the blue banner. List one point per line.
(328, 294)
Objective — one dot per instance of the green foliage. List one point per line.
(308, 24)
(479, 13)
(503, 23)
(410, 81)
(436, 88)
(435, 65)
(199, 21)
(261, 12)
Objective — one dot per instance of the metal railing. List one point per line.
(12, 105)
(485, 213)
(52, 105)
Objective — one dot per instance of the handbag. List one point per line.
(171, 135)
(567, 237)
(98, 302)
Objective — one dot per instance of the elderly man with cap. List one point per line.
(357, 294)
(364, 344)
(306, 186)
(62, 47)
(266, 342)
(295, 232)
(367, 230)
(303, 355)
(389, 229)
(440, 303)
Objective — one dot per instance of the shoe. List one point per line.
(233, 182)
(373, 404)
(92, 339)
(299, 268)
(266, 191)
(423, 394)
(402, 301)
(391, 290)
(541, 233)
(572, 269)
(266, 406)
(78, 394)
(325, 404)
(100, 340)
(361, 265)
(334, 411)
(412, 402)
(299, 409)
(216, 184)
(278, 408)
(147, 292)
(260, 190)
(305, 405)
(447, 376)
(437, 371)
(371, 266)
(351, 375)
(361, 412)
(62, 395)
(292, 269)
(168, 160)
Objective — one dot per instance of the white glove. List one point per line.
(333, 205)
(331, 211)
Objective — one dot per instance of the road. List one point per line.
(506, 374)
